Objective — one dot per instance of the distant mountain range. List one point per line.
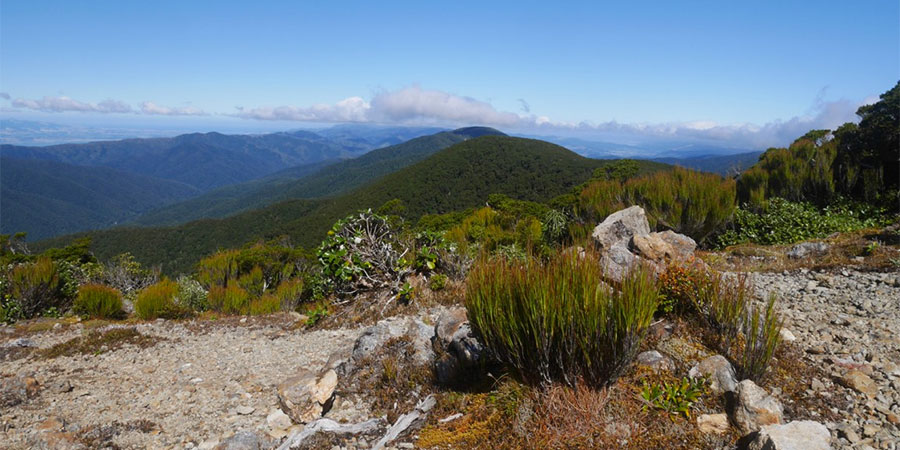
(725, 165)
(310, 181)
(83, 185)
(455, 178)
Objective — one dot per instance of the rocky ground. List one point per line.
(204, 381)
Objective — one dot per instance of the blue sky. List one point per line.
(752, 73)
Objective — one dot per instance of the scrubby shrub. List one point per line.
(230, 300)
(437, 282)
(689, 202)
(253, 282)
(681, 288)
(159, 300)
(674, 398)
(218, 269)
(558, 320)
(364, 252)
(289, 293)
(784, 222)
(38, 286)
(191, 294)
(316, 313)
(555, 227)
(99, 301)
(267, 304)
(127, 275)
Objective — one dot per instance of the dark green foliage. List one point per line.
(784, 222)
(620, 170)
(860, 162)
(674, 398)
(559, 321)
(98, 301)
(457, 178)
(438, 282)
(48, 198)
(317, 181)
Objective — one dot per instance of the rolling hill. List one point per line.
(310, 181)
(48, 198)
(725, 165)
(458, 177)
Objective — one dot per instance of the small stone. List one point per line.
(245, 410)
(305, 397)
(817, 385)
(755, 408)
(798, 435)
(719, 372)
(656, 361)
(892, 418)
(245, 440)
(848, 434)
(278, 420)
(786, 335)
(713, 423)
(860, 382)
(870, 429)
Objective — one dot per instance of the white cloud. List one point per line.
(63, 104)
(353, 109)
(154, 109)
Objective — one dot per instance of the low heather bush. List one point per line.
(97, 300)
(230, 300)
(289, 293)
(558, 320)
(267, 304)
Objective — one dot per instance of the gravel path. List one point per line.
(848, 322)
(197, 386)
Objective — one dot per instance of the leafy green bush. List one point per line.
(159, 301)
(364, 252)
(437, 282)
(784, 222)
(38, 286)
(673, 398)
(316, 313)
(191, 294)
(559, 321)
(99, 301)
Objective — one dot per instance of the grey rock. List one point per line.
(244, 440)
(655, 361)
(713, 423)
(617, 261)
(719, 371)
(455, 345)
(806, 249)
(298, 438)
(20, 343)
(798, 435)
(410, 420)
(16, 390)
(755, 408)
(620, 226)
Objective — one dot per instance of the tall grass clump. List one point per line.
(37, 286)
(762, 334)
(558, 320)
(230, 300)
(99, 301)
(159, 301)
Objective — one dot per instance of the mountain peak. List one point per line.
(474, 132)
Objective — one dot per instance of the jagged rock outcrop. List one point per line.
(455, 346)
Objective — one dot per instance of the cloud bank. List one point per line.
(414, 105)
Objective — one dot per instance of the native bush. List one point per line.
(674, 398)
(191, 294)
(762, 334)
(38, 286)
(99, 301)
(127, 275)
(686, 201)
(785, 222)
(681, 287)
(558, 320)
(159, 300)
(230, 300)
(289, 293)
(267, 304)
(364, 252)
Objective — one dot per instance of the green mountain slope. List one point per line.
(725, 165)
(47, 198)
(304, 182)
(458, 177)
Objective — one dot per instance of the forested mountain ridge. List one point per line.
(304, 182)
